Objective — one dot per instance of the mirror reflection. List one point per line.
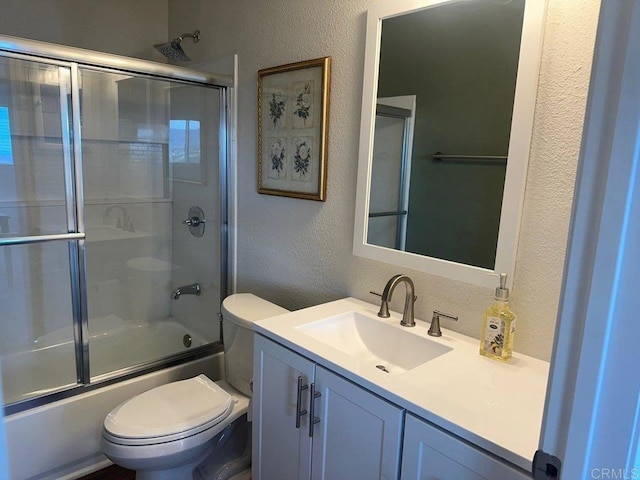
(446, 86)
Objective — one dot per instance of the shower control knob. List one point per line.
(193, 221)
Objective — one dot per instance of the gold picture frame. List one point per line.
(293, 112)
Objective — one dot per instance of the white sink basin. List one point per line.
(388, 347)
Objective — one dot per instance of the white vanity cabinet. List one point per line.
(431, 454)
(281, 450)
(436, 402)
(357, 434)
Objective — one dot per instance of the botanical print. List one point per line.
(276, 102)
(292, 123)
(277, 156)
(496, 345)
(302, 159)
(303, 109)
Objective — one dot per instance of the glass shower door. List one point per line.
(38, 235)
(150, 152)
(388, 202)
(112, 220)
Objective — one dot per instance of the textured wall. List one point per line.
(123, 27)
(298, 253)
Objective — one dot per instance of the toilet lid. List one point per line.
(169, 409)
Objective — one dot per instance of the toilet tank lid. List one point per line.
(168, 409)
(245, 308)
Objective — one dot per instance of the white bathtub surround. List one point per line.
(149, 284)
(61, 440)
(496, 406)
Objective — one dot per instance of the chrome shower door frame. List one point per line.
(74, 59)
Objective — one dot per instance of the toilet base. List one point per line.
(244, 475)
(225, 456)
(232, 456)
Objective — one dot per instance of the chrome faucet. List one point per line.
(124, 222)
(410, 298)
(193, 289)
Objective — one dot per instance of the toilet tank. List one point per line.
(239, 312)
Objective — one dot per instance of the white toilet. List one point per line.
(195, 428)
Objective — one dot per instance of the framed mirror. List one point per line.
(448, 103)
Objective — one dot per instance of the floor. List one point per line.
(111, 473)
(118, 473)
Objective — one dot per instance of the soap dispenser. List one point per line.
(499, 325)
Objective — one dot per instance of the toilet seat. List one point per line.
(169, 412)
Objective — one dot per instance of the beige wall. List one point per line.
(123, 27)
(298, 252)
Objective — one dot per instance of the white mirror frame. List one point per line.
(518, 153)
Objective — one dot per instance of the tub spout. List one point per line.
(193, 289)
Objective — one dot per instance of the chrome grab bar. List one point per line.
(40, 238)
(442, 156)
(399, 213)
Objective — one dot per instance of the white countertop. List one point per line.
(496, 406)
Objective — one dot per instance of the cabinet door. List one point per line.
(280, 449)
(358, 435)
(430, 454)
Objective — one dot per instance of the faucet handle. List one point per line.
(193, 221)
(384, 306)
(434, 328)
(445, 315)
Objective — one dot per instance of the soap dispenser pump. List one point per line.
(499, 325)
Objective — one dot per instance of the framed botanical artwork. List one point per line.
(293, 109)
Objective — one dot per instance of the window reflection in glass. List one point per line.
(184, 141)
(6, 151)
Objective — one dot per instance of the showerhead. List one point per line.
(173, 50)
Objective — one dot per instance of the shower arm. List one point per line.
(195, 36)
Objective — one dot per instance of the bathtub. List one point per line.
(114, 344)
(60, 440)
